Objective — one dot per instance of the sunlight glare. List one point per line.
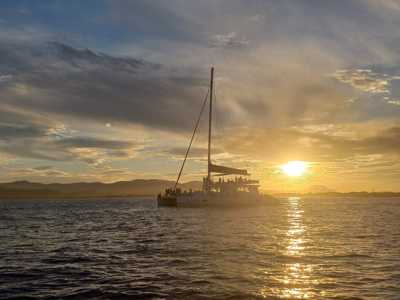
(295, 168)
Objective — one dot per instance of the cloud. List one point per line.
(88, 86)
(384, 7)
(198, 155)
(24, 34)
(60, 131)
(94, 157)
(84, 81)
(394, 102)
(56, 97)
(387, 141)
(302, 144)
(5, 78)
(58, 79)
(91, 86)
(230, 40)
(96, 151)
(198, 152)
(5, 159)
(33, 140)
(365, 80)
(90, 142)
(346, 157)
(11, 131)
(43, 168)
(38, 173)
(172, 22)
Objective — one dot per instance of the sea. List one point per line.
(292, 248)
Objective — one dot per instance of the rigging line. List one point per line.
(192, 138)
(216, 123)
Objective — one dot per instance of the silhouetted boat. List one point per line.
(237, 191)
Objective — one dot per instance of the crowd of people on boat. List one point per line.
(222, 186)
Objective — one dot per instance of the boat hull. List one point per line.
(167, 201)
(216, 200)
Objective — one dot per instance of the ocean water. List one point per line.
(129, 249)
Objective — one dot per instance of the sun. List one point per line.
(295, 168)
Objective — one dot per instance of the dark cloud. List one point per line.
(47, 57)
(10, 131)
(90, 142)
(197, 152)
(5, 78)
(56, 78)
(387, 141)
(36, 141)
(115, 172)
(43, 168)
(289, 144)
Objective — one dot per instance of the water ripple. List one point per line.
(129, 249)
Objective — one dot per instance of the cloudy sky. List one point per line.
(107, 90)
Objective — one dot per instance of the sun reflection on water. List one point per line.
(296, 228)
(296, 280)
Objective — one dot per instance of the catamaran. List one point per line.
(237, 191)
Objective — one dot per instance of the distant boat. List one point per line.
(233, 191)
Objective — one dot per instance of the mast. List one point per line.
(209, 131)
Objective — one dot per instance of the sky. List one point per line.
(109, 90)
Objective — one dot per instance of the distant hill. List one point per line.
(319, 189)
(139, 187)
(341, 195)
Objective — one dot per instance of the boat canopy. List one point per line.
(227, 170)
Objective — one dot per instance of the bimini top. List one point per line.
(227, 170)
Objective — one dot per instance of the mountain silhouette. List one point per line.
(138, 187)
